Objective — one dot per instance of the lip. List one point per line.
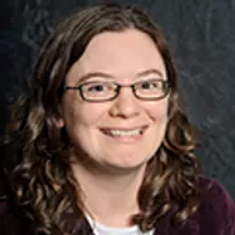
(125, 138)
(140, 127)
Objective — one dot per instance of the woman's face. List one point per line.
(123, 133)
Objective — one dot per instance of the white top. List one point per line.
(100, 229)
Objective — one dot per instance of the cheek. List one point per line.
(84, 115)
(158, 111)
(81, 122)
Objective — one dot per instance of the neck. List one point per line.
(110, 198)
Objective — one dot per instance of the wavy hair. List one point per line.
(42, 180)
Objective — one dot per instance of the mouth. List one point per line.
(121, 132)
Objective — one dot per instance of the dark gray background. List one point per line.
(202, 37)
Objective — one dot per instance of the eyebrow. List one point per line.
(106, 75)
(150, 71)
(94, 74)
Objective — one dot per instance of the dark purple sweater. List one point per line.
(215, 216)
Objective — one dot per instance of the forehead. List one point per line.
(120, 54)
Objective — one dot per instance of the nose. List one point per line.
(126, 104)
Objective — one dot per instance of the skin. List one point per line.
(113, 167)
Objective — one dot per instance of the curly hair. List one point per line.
(42, 180)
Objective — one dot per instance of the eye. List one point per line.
(150, 85)
(98, 88)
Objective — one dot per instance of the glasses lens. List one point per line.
(151, 89)
(98, 91)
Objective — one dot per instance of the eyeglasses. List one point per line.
(100, 91)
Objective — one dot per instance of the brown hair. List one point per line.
(42, 180)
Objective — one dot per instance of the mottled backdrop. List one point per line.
(202, 37)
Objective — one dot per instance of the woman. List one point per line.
(101, 143)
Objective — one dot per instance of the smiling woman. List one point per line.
(116, 127)
(102, 133)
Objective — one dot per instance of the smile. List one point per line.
(124, 132)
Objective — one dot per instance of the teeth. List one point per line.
(125, 133)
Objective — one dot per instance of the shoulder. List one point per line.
(215, 197)
(10, 222)
(216, 213)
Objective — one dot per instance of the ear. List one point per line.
(60, 123)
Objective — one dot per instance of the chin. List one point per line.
(126, 166)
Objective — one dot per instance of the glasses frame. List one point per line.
(166, 87)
